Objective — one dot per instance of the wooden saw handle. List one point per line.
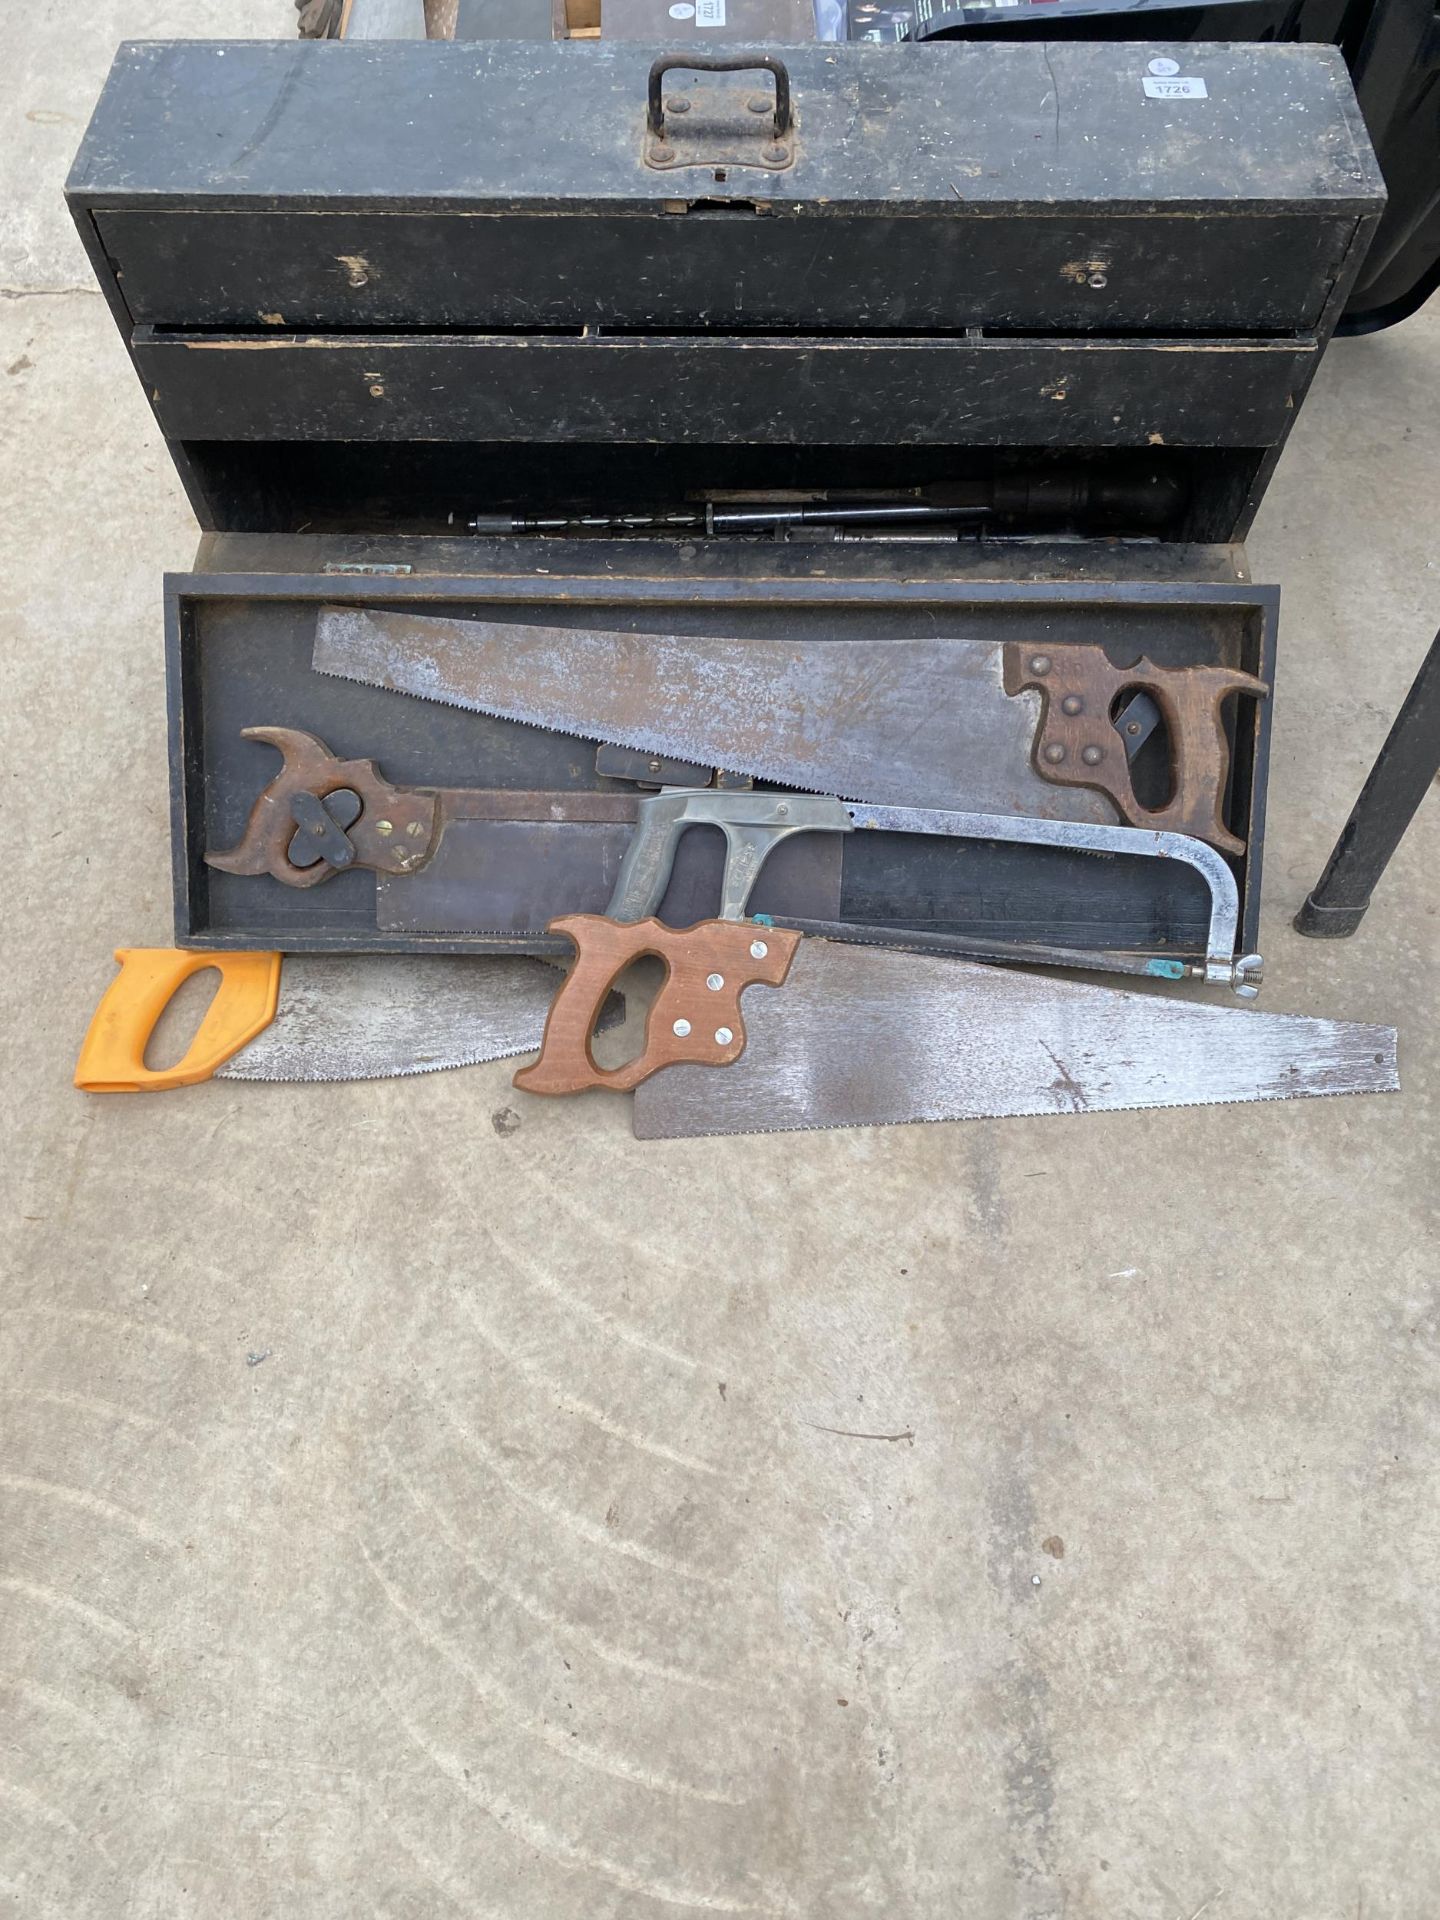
(694, 1017)
(1077, 746)
(394, 833)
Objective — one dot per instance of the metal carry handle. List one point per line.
(718, 63)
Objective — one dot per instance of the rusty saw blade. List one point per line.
(380, 1016)
(862, 1038)
(933, 722)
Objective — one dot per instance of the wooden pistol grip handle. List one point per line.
(395, 832)
(1077, 745)
(694, 1017)
(112, 1057)
(1192, 700)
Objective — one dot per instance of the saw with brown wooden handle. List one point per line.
(713, 952)
(321, 814)
(896, 721)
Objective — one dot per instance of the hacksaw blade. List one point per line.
(859, 1038)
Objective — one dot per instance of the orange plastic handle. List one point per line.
(112, 1059)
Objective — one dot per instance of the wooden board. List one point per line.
(717, 390)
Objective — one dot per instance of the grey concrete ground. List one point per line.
(401, 1516)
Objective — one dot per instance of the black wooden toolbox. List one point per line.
(373, 290)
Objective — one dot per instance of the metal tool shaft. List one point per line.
(1010, 953)
(710, 520)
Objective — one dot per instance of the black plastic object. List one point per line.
(1396, 65)
(1404, 772)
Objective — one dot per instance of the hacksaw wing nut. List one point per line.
(694, 1018)
(1077, 746)
(394, 832)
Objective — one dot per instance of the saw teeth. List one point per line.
(632, 745)
(966, 1120)
(389, 1073)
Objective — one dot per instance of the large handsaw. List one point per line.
(1020, 728)
(855, 1036)
(859, 1038)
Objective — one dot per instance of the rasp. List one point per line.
(1018, 728)
(317, 1017)
(855, 1037)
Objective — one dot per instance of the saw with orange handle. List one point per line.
(310, 1017)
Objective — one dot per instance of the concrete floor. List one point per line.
(401, 1515)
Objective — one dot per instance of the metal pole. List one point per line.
(1398, 782)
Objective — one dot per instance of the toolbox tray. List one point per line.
(240, 630)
